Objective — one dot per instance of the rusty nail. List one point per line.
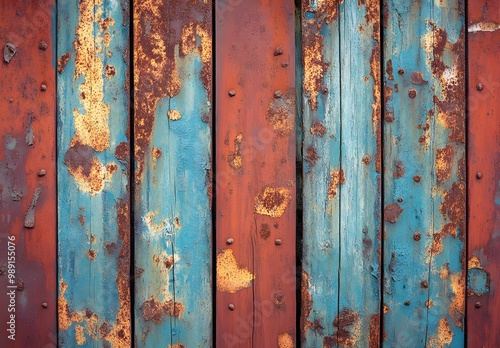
(424, 284)
(407, 303)
(42, 45)
(277, 241)
(278, 94)
(284, 64)
(232, 93)
(11, 101)
(41, 172)
(44, 304)
(479, 86)
(43, 87)
(479, 175)
(231, 306)
(400, 199)
(416, 178)
(278, 51)
(229, 241)
(417, 236)
(477, 305)
(401, 71)
(412, 93)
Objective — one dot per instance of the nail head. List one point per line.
(45, 304)
(229, 241)
(277, 241)
(231, 306)
(232, 93)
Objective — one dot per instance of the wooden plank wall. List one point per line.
(342, 132)
(93, 173)
(336, 176)
(28, 303)
(255, 166)
(172, 153)
(483, 200)
(424, 169)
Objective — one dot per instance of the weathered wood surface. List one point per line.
(255, 174)
(172, 199)
(342, 129)
(424, 173)
(27, 174)
(93, 173)
(483, 302)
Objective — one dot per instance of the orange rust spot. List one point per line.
(374, 335)
(417, 78)
(337, 178)
(444, 335)
(444, 163)
(281, 114)
(389, 70)
(234, 159)
(367, 159)
(79, 335)
(474, 262)
(348, 327)
(110, 71)
(81, 218)
(174, 115)
(285, 340)
(62, 61)
(91, 254)
(312, 156)
(317, 128)
(392, 212)
(230, 276)
(168, 262)
(272, 201)
(307, 301)
(457, 305)
(177, 345)
(437, 244)
(156, 153)
(400, 170)
(428, 303)
(156, 311)
(385, 308)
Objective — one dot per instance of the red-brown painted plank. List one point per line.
(483, 302)
(255, 174)
(27, 174)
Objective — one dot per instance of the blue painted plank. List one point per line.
(172, 134)
(424, 207)
(93, 209)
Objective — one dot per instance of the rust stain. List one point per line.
(174, 115)
(285, 340)
(177, 345)
(110, 71)
(337, 178)
(400, 170)
(281, 114)
(230, 276)
(367, 159)
(444, 163)
(91, 254)
(89, 173)
(453, 205)
(156, 153)
(315, 68)
(417, 78)
(272, 201)
(392, 212)
(348, 327)
(234, 159)
(79, 335)
(377, 95)
(156, 311)
(265, 231)
(444, 335)
(437, 243)
(374, 334)
(312, 156)
(62, 61)
(317, 128)
(457, 305)
(307, 301)
(389, 70)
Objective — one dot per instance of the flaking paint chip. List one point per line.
(174, 115)
(230, 276)
(285, 340)
(272, 201)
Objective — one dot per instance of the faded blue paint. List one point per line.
(176, 187)
(420, 280)
(90, 221)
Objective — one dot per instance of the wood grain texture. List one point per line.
(93, 173)
(342, 128)
(27, 175)
(172, 200)
(483, 189)
(424, 185)
(255, 163)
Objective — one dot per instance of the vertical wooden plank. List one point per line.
(255, 162)
(483, 302)
(172, 134)
(358, 323)
(27, 175)
(93, 173)
(424, 208)
(321, 122)
(341, 57)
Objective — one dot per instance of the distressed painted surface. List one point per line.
(483, 300)
(341, 115)
(424, 171)
(93, 171)
(172, 134)
(255, 174)
(27, 174)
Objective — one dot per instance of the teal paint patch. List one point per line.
(478, 282)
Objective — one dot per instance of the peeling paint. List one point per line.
(483, 27)
(285, 340)
(444, 335)
(156, 311)
(272, 201)
(235, 159)
(281, 114)
(337, 178)
(348, 325)
(230, 276)
(392, 212)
